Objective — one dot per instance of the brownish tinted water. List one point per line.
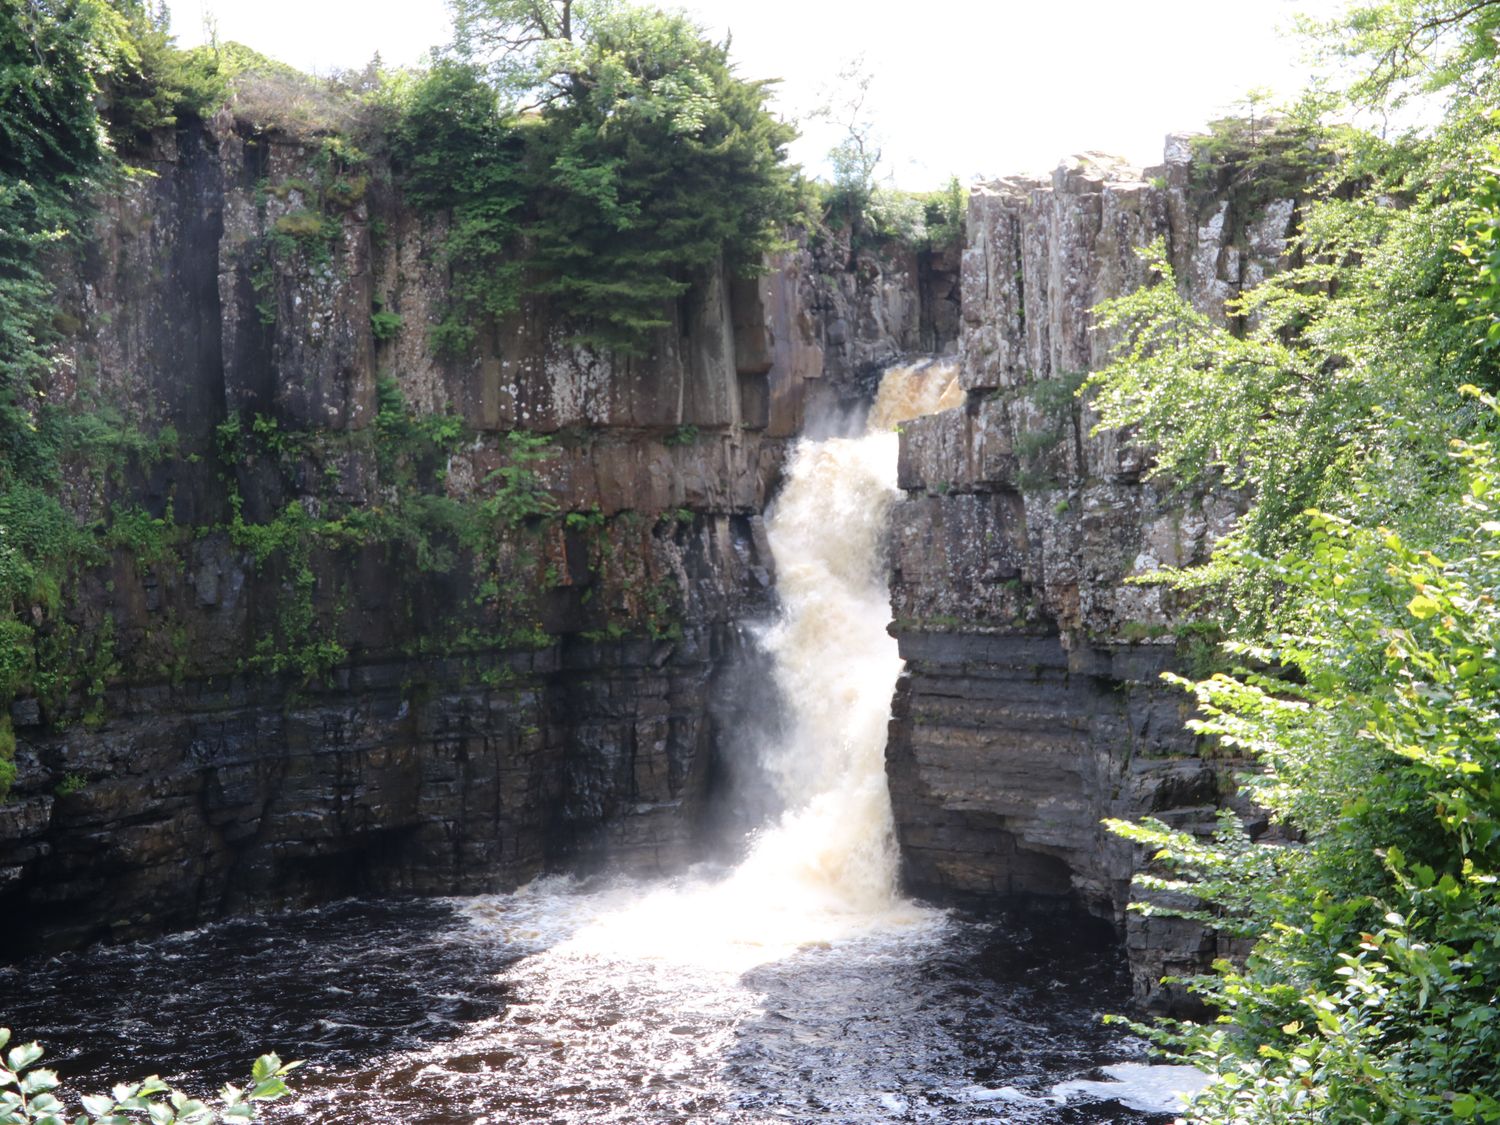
(489, 1010)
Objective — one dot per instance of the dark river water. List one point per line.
(797, 986)
(491, 1010)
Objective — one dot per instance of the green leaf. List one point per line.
(97, 1105)
(1422, 607)
(39, 1080)
(22, 1057)
(268, 1090)
(265, 1066)
(1464, 1106)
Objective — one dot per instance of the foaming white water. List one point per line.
(825, 872)
(909, 392)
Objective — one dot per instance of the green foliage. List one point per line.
(518, 492)
(30, 1095)
(1333, 384)
(70, 784)
(457, 155)
(1251, 160)
(658, 164)
(1057, 406)
(1376, 971)
(1411, 47)
(60, 61)
(943, 214)
(7, 746)
(485, 535)
(384, 325)
(1360, 604)
(1480, 248)
(647, 164)
(53, 54)
(855, 156)
(920, 220)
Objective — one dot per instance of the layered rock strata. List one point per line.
(283, 704)
(1031, 707)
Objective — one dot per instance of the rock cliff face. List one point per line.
(405, 623)
(1031, 706)
(408, 623)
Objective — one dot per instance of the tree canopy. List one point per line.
(633, 159)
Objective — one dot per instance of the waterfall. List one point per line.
(825, 870)
(798, 986)
(835, 663)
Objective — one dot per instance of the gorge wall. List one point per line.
(1031, 707)
(366, 618)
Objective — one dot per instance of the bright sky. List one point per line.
(977, 88)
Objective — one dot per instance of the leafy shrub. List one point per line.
(457, 154)
(1369, 996)
(1359, 593)
(29, 1095)
(644, 164)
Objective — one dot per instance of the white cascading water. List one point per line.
(826, 870)
(631, 1000)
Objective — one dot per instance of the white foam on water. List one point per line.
(825, 871)
(1150, 1088)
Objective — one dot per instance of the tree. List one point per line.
(529, 46)
(643, 160)
(855, 156)
(1408, 47)
(660, 162)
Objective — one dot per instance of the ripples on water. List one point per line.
(797, 987)
(493, 1011)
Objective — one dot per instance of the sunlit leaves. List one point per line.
(1370, 993)
(27, 1096)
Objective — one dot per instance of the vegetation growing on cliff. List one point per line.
(857, 198)
(1356, 399)
(603, 156)
(56, 57)
(681, 151)
(81, 84)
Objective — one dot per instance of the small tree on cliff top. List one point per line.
(647, 158)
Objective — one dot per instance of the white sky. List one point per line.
(974, 88)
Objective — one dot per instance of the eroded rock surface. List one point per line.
(475, 727)
(1032, 708)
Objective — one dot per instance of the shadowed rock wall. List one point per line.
(1031, 706)
(245, 307)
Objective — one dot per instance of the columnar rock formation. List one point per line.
(465, 730)
(1031, 706)
(260, 324)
